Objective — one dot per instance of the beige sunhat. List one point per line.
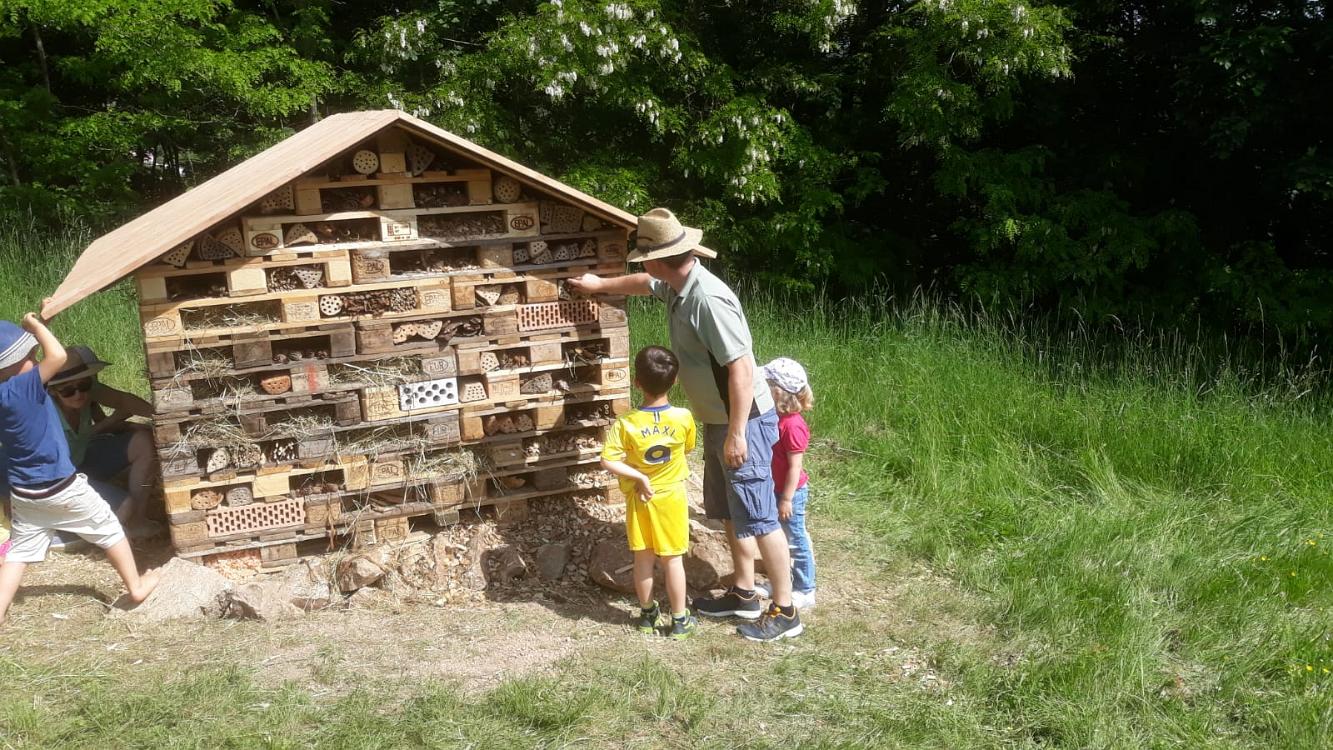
(661, 235)
(82, 363)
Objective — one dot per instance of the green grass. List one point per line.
(1138, 528)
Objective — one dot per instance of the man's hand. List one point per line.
(645, 488)
(735, 451)
(588, 283)
(784, 508)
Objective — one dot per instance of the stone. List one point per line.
(709, 557)
(355, 573)
(551, 560)
(266, 601)
(611, 566)
(508, 563)
(366, 598)
(474, 574)
(308, 585)
(187, 591)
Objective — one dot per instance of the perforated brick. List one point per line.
(255, 517)
(543, 315)
(426, 394)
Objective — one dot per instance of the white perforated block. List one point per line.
(428, 393)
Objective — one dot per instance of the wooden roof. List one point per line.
(118, 254)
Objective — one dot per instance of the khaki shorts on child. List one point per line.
(77, 509)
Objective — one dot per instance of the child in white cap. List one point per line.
(46, 493)
(792, 395)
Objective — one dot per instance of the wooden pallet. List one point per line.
(239, 277)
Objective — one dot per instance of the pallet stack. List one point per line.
(385, 341)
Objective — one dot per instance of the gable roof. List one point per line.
(119, 253)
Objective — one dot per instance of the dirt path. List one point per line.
(59, 621)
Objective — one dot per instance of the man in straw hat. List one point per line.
(712, 340)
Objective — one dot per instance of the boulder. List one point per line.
(367, 598)
(187, 591)
(551, 560)
(474, 575)
(267, 601)
(355, 573)
(508, 564)
(709, 557)
(308, 585)
(611, 566)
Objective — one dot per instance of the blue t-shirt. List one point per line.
(32, 434)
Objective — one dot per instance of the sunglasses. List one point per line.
(82, 386)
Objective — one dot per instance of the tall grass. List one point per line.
(1149, 519)
(34, 260)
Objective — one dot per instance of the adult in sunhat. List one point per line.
(711, 338)
(102, 444)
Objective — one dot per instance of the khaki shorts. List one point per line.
(77, 509)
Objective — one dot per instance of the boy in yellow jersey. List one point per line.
(646, 448)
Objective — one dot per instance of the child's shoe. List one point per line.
(647, 620)
(733, 603)
(684, 627)
(773, 626)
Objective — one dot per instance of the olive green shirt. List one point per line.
(709, 332)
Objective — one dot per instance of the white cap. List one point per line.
(787, 374)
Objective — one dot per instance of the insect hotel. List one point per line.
(365, 328)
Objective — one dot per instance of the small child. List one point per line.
(646, 448)
(47, 495)
(792, 395)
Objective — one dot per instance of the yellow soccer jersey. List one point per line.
(653, 440)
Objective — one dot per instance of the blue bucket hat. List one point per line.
(15, 344)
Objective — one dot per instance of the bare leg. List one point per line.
(675, 583)
(133, 512)
(777, 561)
(122, 559)
(10, 575)
(644, 560)
(743, 553)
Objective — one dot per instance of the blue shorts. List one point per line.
(743, 496)
(107, 455)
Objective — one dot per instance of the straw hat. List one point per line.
(661, 235)
(82, 363)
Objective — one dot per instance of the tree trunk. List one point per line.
(41, 57)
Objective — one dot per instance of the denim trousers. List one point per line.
(798, 541)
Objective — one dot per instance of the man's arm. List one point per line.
(740, 388)
(53, 354)
(639, 284)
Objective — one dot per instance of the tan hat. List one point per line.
(661, 235)
(82, 363)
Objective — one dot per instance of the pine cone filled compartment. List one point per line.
(440, 196)
(374, 302)
(291, 278)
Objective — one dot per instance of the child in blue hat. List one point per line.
(46, 494)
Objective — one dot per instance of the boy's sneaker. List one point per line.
(730, 604)
(772, 626)
(684, 627)
(646, 622)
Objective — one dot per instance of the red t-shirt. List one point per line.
(793, 437)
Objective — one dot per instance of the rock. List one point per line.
(366, 598)
(474, 572)
(187, 591)
(612, 566)
(268, 601)
(355, 573)
(709, 557)
(308, 585)
(551, 560)
(508, 563)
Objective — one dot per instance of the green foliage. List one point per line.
(1157, 160)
